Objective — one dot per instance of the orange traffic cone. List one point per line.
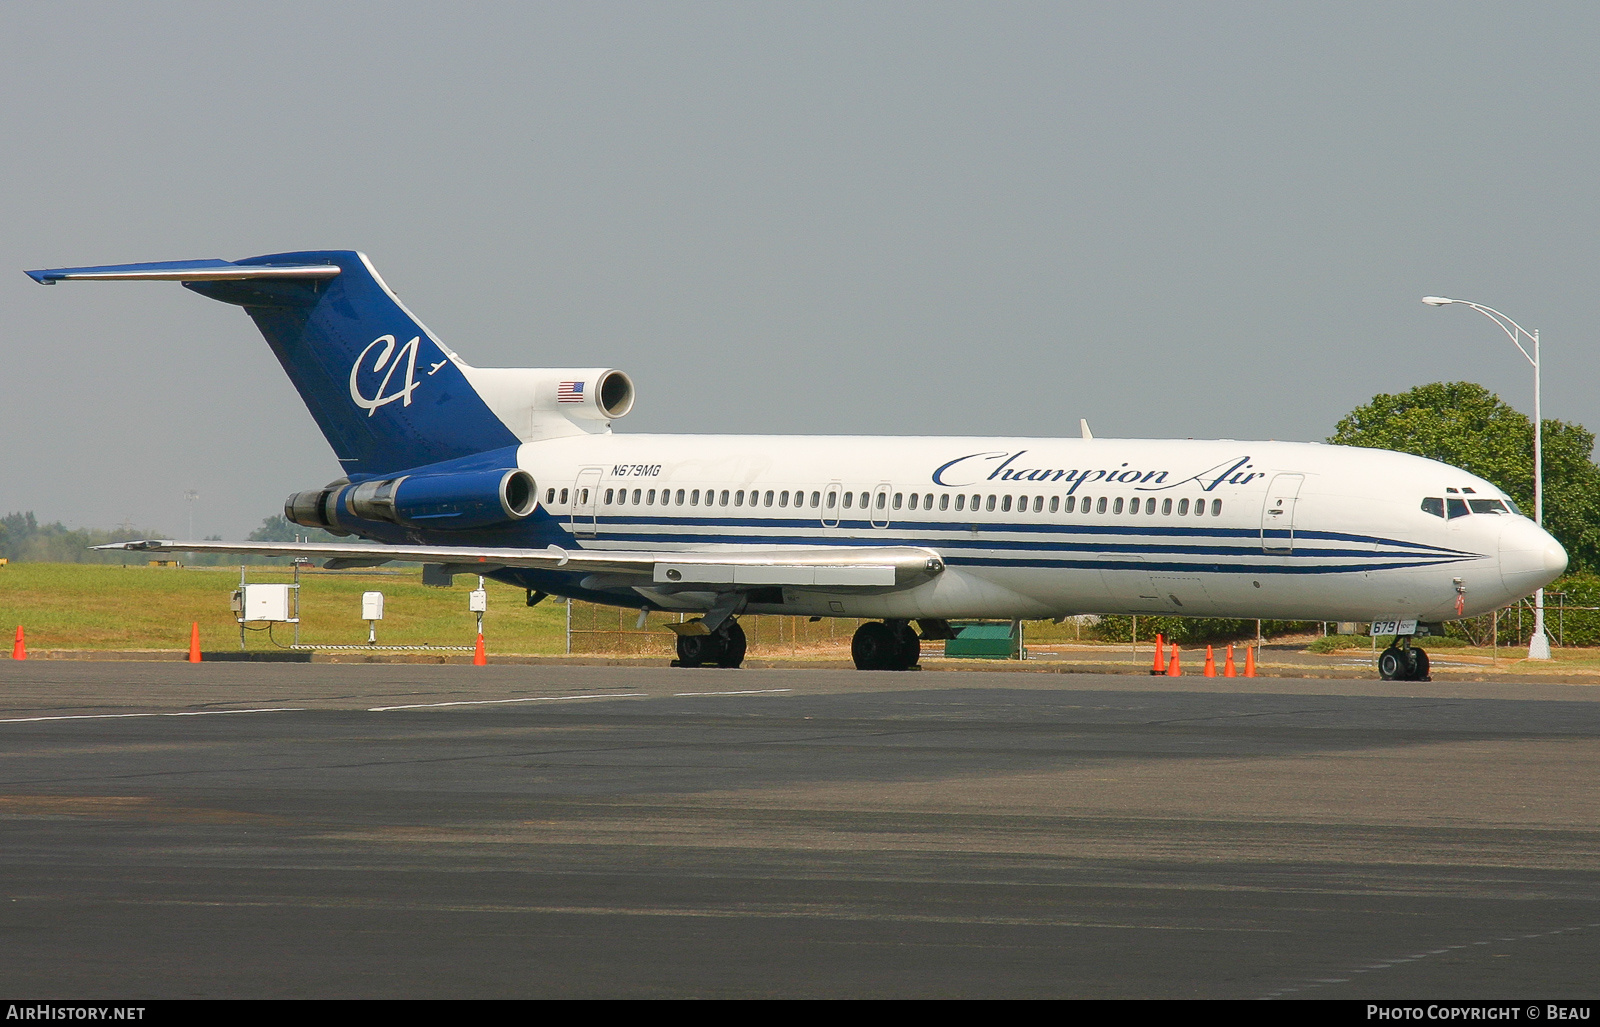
(19, 648)
(1174, 669)
(1160, 666)
(479, 657)
(1211, 663)
(1228, 669)
(194, 642)
(1249, 661)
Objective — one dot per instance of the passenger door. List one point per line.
(1277, 513)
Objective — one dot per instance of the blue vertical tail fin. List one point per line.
(384, 391)
(387, 394)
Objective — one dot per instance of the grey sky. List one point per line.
(1192, 219)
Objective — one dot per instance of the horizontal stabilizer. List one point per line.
(183, 271)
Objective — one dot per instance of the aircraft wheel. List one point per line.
(733, 645)
(694, 650)
(910, 647)
(875, 647)
(1392, 664)
(1419, 665)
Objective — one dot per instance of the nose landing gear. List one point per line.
(1403, 662)
(885, 645)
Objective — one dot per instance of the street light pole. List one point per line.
(1539, 644)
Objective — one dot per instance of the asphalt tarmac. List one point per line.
(241, 831)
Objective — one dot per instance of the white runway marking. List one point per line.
(747, 691)
(492, 702)
(1317, 982)
(121, 716)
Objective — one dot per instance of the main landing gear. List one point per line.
(723, 647)
(885, 645)
(1403, 662)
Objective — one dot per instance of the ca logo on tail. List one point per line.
(390, 359)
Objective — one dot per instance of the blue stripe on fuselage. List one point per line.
(610, 524)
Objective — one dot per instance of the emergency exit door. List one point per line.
(586, 503)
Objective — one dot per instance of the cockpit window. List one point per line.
(1452, 507)
(1514, 508)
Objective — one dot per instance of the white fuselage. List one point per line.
(1035, 528)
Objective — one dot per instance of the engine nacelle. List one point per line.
(547, 402)
(453, 501)
(317, 508)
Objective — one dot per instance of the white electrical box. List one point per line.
(477, 601)
(266, 603)
(372, 606)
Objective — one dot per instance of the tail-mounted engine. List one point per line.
(549, 402)
(454, 501)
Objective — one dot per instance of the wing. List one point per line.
(843, 568)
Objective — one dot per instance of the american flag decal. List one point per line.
(569, 392)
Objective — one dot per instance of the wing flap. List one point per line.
(799, 575)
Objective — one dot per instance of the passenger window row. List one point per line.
(711, 497)
(962, 503)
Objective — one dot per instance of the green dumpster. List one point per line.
(983, 641)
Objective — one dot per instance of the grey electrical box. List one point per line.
(372, 606)
(477, 601)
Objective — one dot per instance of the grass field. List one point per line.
(93, 606)
(87, 606)
(96, 606)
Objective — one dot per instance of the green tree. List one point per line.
(1195, 630)
(279, 528)
(16, 529)
(1467, 426)
(23, 538)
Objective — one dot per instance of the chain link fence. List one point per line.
(1568, 620)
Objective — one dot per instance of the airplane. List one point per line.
(516, 474)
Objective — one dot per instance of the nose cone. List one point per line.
(1529, 557)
